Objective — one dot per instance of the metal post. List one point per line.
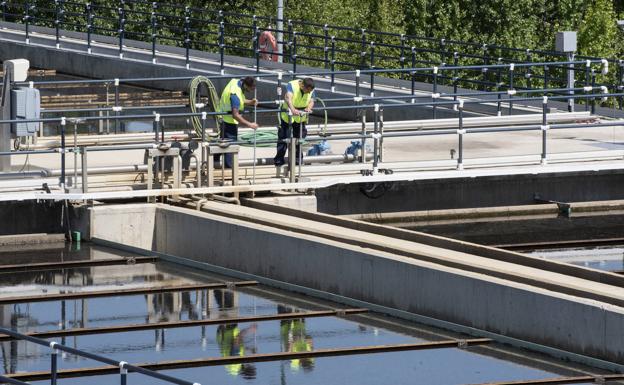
(123, 373)
(27, 21)
(333, 64)
(117, 104)
(529, 74)
(486, 61)
(291, 149)
(402, 53)
(62, 180)
(154, 24)
(253, 175)
(204, 115)
(155, 126)
(435, 91)
(571, 81)
(57, 21)
(544, 129)
(256, 45)
(443, 52)
(460, 134)
(75, 180)
(546, 76)
(289, 43)
(413, 73)
(53, 364)
(326, 47)
(280, 30)
(187, 37)
(587, 82)
(376, 137)
(221, 47)
(499, 84)
(85, 168)
(294, 53)
(363, 50)
(620, 86)
(593, 85)
(372, 66)
(122, 23)
(381, 133)
(89, 11)
(511, 87)
(455, 77)
(4, 10)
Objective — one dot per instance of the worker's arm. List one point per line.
(289, 101)
(239, 118)
(251, 102)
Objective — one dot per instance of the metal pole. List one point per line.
(280, 29)
(154, 30)
(291, 149)
(187, 37)
(413, 73)
(85, 168)
(123, 373)
(326, 46)
(376, 138)
(333, 64)
(122, 22)
(89, 10)
(27, 21)
(117, 101)
(544, 129)
(571, 81)
(253, 174)
(511, 87)
(256, 45)
(435, 91)
(63, 123)
(53, 364)
(57, 22)
(221, 47)
(372, 66)
(294, 53)
(460, 134)
(75, 182)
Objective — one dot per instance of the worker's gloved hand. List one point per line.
(296, 112)
(308, 110)
(253, 102)
(253, 126)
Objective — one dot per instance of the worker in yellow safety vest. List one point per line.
(297, 105)
(232, 101)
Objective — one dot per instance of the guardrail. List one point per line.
(124, 367)
(363, 104)
(329, 46)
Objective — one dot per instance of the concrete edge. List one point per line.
(31, 239)
(429, 321)
(448, 243)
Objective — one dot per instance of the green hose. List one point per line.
(261, 135)
(212, 103)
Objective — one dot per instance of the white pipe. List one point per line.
(280, 28)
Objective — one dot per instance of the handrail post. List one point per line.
(117, 104)
(294, 53)
(89, 12)
(587, 82)
(53, 364)
(593, 85)
(333, 64)
(620, 84)
(363, 50)
(455, 77)
(27, 8)
(256, 45)
(499, 84)
(443, 53)
(402, 54)
(120, 31)
(57, 21)
(154, 26)
(123, 373)
(62, 180)
(511, 87)
(290, 36)
(544, 128)
(326, 47)
(85, 169)
(372, 67)
(221, 47)
(4, 10)
(376, 139)
(435, 91)
(413, 73)
(486, 62)
(529, 74)
(187, 37)
(460, 134)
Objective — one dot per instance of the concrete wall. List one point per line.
(472, 192)
(29, 217)
(499, 306)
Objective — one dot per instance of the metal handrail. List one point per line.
(124, 367)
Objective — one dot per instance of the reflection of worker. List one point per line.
(231, 342)
(232, 99)
(294, 339)
(299, 101)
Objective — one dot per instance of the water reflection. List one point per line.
(294, 339)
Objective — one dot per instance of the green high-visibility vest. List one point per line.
(225, 104)
(300, 101)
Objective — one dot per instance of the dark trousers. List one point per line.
(228, 131)
(282, 134)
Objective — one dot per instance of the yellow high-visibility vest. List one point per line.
(225, 104)
(300, 101)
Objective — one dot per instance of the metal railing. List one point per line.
(328, 46)
(124, 367)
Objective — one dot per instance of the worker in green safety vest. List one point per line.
(297, 105)
(232, 101)
(295, 340)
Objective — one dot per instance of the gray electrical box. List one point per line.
(565, 41)
(25, 104)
